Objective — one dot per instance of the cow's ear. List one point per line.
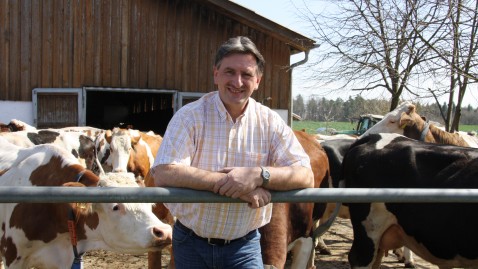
(405, 120)
(108, 135)
(135, 136)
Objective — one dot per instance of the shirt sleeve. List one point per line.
(177, 146)
(286, 148)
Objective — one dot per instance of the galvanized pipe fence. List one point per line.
(179, 195)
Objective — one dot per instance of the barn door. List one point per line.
(57, 107)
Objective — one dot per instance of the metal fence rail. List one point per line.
(178, 195)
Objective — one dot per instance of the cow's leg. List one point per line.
(303, 253)
(274, 236)
(408, 255)
(363, 251)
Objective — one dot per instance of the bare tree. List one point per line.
(457, 54)
(369, 44)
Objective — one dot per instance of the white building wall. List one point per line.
(16, 110)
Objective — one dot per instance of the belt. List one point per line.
(210, 241)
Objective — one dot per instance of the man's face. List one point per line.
(236, 79)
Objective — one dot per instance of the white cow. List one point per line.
(38, 235)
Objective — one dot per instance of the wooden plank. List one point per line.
(152, 44)
(46, 62)
(67, 45)
(56, 40)
(204, 71)
(97, 43)
(185, 60)
(193, 67)
(4, 56)
(78, 36)
(171, 44)
(14, 58)
(134, 45)
(162, 41)
(179, 48)
(36, 47)
(25, 67)
(88, 77)
(115, 44)
(144, 15)
(105, 43)
(124, 42)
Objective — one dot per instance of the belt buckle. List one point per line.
(215, 241)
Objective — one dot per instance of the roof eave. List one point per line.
(297, 42)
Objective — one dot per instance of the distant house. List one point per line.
(102, 63)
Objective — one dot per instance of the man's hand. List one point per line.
(257, 198)
(238, 182)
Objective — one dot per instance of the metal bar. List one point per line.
(178, 195)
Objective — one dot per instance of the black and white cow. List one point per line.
(444, 234)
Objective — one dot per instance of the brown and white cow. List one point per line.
(291, 225)
(78, 144)
(16, 125)
(406, 121)
(121, 150)
(38, 235)
(442, 233)
(127, 150)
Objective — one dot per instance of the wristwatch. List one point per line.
(266, 176)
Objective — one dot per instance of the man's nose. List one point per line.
(237, 81)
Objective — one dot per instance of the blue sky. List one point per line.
(286, 13)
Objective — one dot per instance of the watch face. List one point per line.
(266, 174)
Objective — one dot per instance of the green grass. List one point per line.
(311, 126)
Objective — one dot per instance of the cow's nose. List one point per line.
(164, 233)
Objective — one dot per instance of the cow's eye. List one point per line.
(116, 207)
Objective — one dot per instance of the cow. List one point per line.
(406, 121)
(394, 161)
(291, 225)
(38, 234)
(16, 125)
(77, 143)
(127, 150)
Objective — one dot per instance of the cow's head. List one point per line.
(120, 145)
(129, 227)
(391, 121)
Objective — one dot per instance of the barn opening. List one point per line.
(145, 110)
(106, 108)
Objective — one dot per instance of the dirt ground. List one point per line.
(338, 239)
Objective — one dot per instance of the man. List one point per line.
(228, 143)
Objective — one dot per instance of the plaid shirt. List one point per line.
(203, 135)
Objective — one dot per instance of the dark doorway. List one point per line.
(136, 109)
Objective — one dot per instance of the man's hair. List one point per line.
(242, 45)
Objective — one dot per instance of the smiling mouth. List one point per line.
(235, 90)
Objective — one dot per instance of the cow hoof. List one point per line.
(409, 265)
(325, 251)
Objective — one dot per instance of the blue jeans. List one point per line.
(192, 252)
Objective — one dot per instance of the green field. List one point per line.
(311, 126)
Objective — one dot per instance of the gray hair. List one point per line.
(242, 45)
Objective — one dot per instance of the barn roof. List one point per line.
(297, 42)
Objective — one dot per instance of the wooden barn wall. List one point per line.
(125, 43)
